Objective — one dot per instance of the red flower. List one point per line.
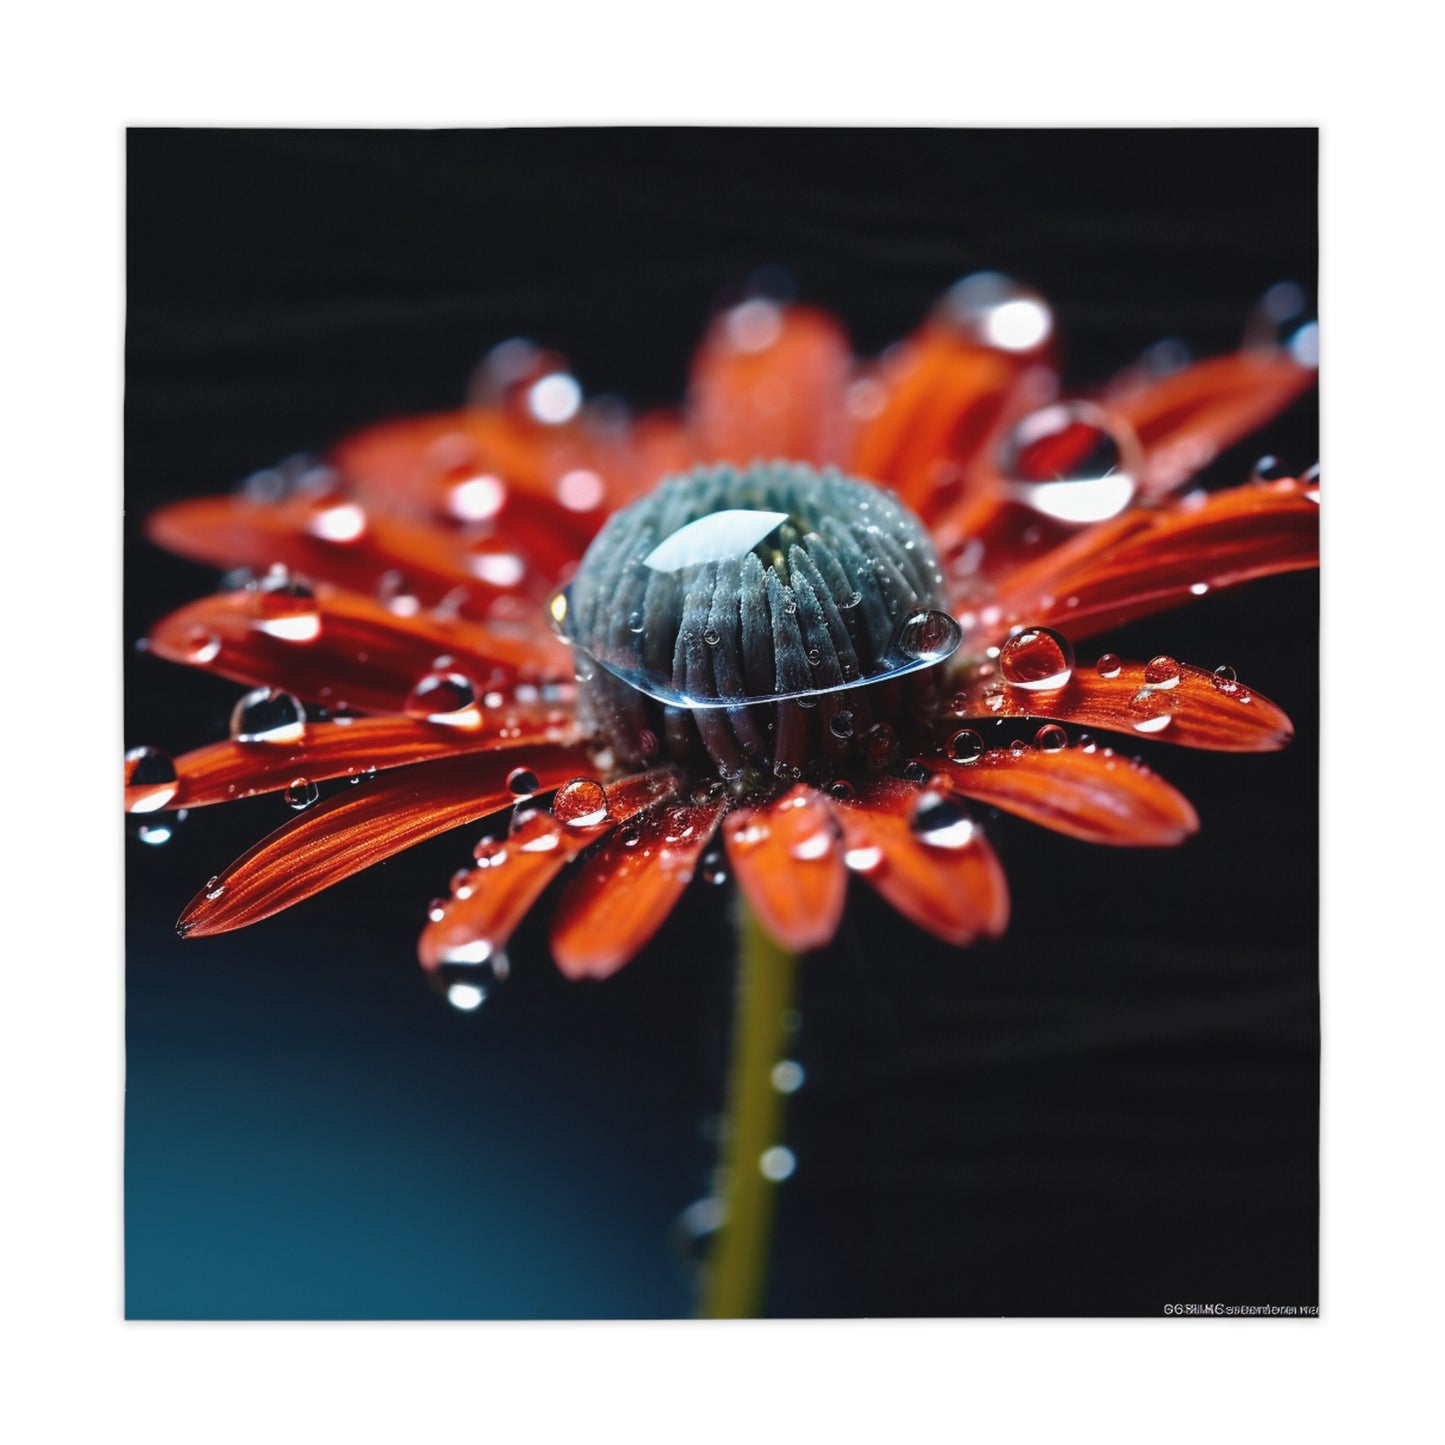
(835, 716)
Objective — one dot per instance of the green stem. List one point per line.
(766, 982)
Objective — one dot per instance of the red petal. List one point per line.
(1088, 793)
(1147, 561)
(945, 401)
(770, 381)
(229, 770)
(345, 650)
(788, 857)
(352, 831)
(492, 900)
(1186, 419)
(624, 893)
(956, 893)
(435, 562)
(1200, 710)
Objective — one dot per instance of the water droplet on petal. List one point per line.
(1018, 748)
(1037, 659)
(1226, 680)
(1162, 672)
(301, 793)
(152, 774)
(522, 782)
(941, 821)
(1153, 709)
(1051, 738)
(1109, 665)
(965, 746)
(448, 697)
(1073, 462)
(201, 646)
(843, 790)
(841, 724)
(582, 803)
(268, 715)
(214, 887)
(476, 498)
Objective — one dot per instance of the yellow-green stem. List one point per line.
(737, 1269)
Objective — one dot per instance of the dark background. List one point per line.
(1111, 1109)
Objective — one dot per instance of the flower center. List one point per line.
(770, 618)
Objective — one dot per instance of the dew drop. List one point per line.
(1152, 709)
(942, 821)
(522, 782)
(712, 637)
(993, 310)
(268, 715)
(1162, 672)
(863, 859)
(1073, 462)
(1051, 738)
(787, 1076)
(489, 853)
(582, 803)
(301, 793)
(843, 790)
(214, 887)
(1109, 665)
(841, 724)
(965, 746)
(1018, 748)
(444, 697)
(201, 646)
(150, 780)
(929, 636)
(1226, 680)
(1037, 659)
(880, 743)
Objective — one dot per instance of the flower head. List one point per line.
(801, 630)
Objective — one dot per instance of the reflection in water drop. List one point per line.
(1051, 738)
(444, 697)
(582, 803)
(1037, 659)
(1073, 462)
(942, 821)
(965, 746)
(161, 829)
(268, 715)
(1162, 672)
(522, 782)
(1109, 665)
(301, 793)
(150, 780)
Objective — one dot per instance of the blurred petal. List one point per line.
(770, 382)
(335, 540)
(1184, 420)
(1147, 561)
(956, 891)
(623, 894)
(788, 858)
(944, 400)
(490, 901)
(352, 831)
(1091, 794)
(1199, 709)
(345, 650)
(356, 747)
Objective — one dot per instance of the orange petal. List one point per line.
(945, 400)
(953, 887)
(1198, 709)
(356, 747)
(788, 858)
(489, 901)
(1184, 420)
(1087, 792)
(770, 381)
(333, 539)
(352, 831)
(624, 893)
(345, 650)
(1147, 561)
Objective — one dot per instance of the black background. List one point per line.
(1111, 1109)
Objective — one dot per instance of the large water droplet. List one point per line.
(160, 829)
(941, 821)
(1109, 665)
(268, 715)
(1152, 709)
(582, 803)
(1051, 738)
(522, 782)
(993, 310)
(929, 636)
(1037, 659)
(150, 780)
(841, 724)
(444, 697)
(1162, 672)
(1073, 462)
